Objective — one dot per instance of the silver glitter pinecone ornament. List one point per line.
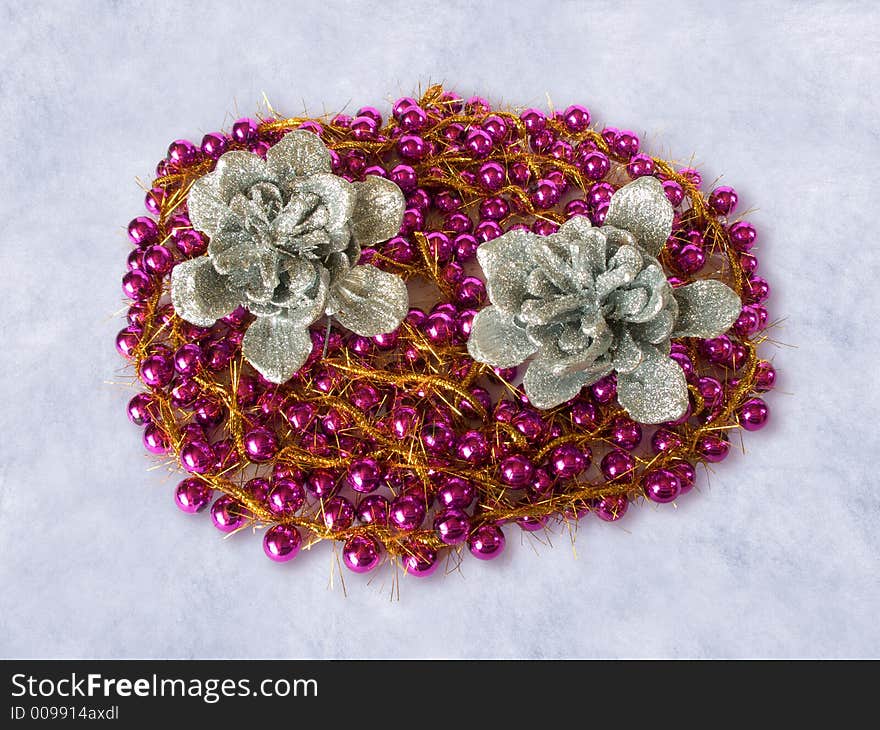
(285, 238)
(585, 302)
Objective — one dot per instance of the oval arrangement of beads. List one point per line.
(412, 336)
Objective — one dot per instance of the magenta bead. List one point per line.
(534, 120)
(686, 474)
(363, 475)
(419, 560)
(742, 235)
(625, 144)
(408, 512)
(674, 192)
(143, 231)
(286, 497)
(723, 200)
(214, 145)
(155, 440)
(662, 485)
(337, 513)
(281, 543)
(139, 408)
(486, 542)
(626, 433)
(516, 471)
(618, 465)
(412, 147)
(583, 414)
(137, 285)
(322, 483)
(455, 492)
(612, 508)
(753, 414)
(361, 553)
(158, 260)
(452, 526)
(479, 143)
(127, 341)
(491, 176)
(374, 510)
(245, 130)
(197, 457)
(187, 359)
(227, 514)
(604, 390)
(261, 444)
(567, 460)
(594, 165)
(640, 166)
(576, 118)
(192, 495)
(156, 371)
(664, 440)
(183, 152)
(690, 258)
(545, 194)
(713, 448)
(755, 291)
(765, 376)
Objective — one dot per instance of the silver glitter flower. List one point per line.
(285, 238)
(585, 302)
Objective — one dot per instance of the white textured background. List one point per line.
(778, 556)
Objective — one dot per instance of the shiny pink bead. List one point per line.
(286, 497)
(640, 166)
(321, 483)
(717, 349)
(686, 474)
(545, 194)
(190, 243)
(674, 192)
(494, 208)
(192, 495)
(478, 143)
(337, 513)
(486, 542)
(408, 512)
(401, 250)
(534, 120)
(412, 147)
(662, 485)
(594, 165)
(713, 448)
(182, 151)
(529, 423)
(711, 391)
(723, 200)
(495, 127)
(742, 235)
(455, 492)
(214, 145)
(412, 119)
(583, 414)
(576, 118)
(245, 130)
(143, 231)
(748, 263)
(577, 206)
(187, 359)
(487, 231)
(227, 514)
(542, 484)
(618, 465)
(401, 105)
(532, 524)
(604, 390)
(600, 194)
(139, 409)
(281, 543)
(664, 440)
(374, 510)
(363, 128)
(612, 508)
(361, 553)
(765, 376)
(153, 200)
(127, 341)
(626, 433)
(625, 144)
(135, 260)
(437, 437)
(363, 475)
(197, 457)
(491, 176)
(516, 471)
(439, 328)
(690, 258)
(748, 322)
(300, 415)
(755, 291)
(452, 526)
(542, 141)
(753, 414)
(419, 560)
(567, 460)
(137, 285)
(155, 440)
(156, 371)
(261, 444)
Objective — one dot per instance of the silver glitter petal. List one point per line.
(237, 172)
(199, 294)
(547, 388)
(369, 301)
(641, 207)
(707, 308)
(655, 392)
(276, 346)
(506, 262)
(298, 154)
(497, 340)
(335, 192)
(378, 210)
(207, 210)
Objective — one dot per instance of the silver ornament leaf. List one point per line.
(378, 210)
(298, 154)
(642, 208)
(199, 294)
(706, 308)
(506, 262)
(276, 346)
(369, 301)
(655, 392)
(547, 388)
(497, 340)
